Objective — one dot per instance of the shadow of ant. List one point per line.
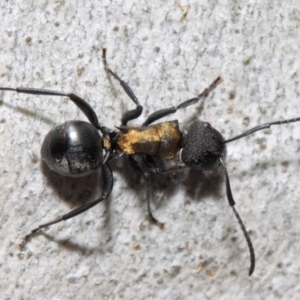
(78, 191)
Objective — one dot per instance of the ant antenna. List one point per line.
(261, 127)
(232, 203)
(228, 188)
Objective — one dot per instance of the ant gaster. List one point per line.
(77, 148)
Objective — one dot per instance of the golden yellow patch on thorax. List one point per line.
(161, 139)
(106, 143)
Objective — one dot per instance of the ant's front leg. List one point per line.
(171, 110)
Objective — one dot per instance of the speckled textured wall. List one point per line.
(168, 51)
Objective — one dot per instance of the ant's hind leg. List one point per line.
(130, 114)
(79, 102)
(107, 187)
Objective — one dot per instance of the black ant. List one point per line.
(76, 148)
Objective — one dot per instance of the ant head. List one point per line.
(203, 146)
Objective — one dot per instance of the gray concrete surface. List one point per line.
(168, 51)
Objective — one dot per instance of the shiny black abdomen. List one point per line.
(73, 149)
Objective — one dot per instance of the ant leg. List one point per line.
(167, 111)
(138, 167)
(130, 114)
(171, 169)
(151, 165)
(107, 187)
(79, 102)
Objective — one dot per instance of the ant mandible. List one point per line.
(77, 148)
